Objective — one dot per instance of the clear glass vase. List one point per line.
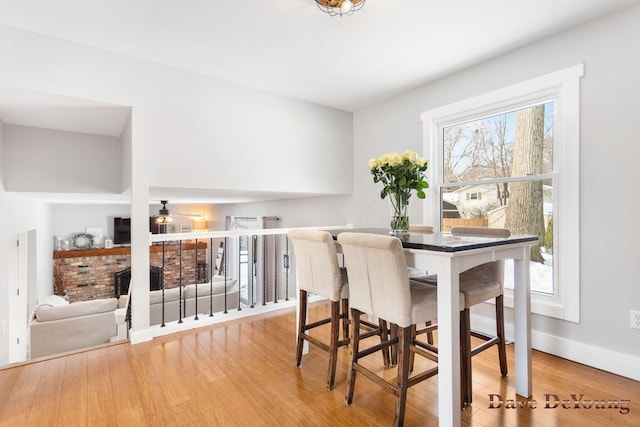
(399, 225)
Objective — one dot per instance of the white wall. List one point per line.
(608, 158)
(20, 214)
(305, 212)
(125, 156)
(45, 160)
(4, 275)
(224, 135)
(68, 219)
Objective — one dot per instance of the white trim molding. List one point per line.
(563, 88)
(622, 364)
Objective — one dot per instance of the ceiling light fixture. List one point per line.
(163, 216)
(340, 7)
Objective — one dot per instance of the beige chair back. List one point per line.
(316, 263)
(420, 228)
(480, 231)
(378, 279)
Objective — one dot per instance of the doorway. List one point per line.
(22, 292)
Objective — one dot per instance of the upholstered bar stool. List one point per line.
(419, 228)
(319, 273)
(420, 274)
(379, 285)
(479, 284)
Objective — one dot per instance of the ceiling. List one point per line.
(343, 62)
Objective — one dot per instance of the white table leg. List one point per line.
(449, 400)
(522, 323)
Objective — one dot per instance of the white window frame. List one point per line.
(563, 88)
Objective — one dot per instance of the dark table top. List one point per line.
(442, 242)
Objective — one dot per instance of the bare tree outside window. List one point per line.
(525, 214)
(514, 144)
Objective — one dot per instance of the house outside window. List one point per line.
(510, 159)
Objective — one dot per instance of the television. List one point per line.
(121, 231)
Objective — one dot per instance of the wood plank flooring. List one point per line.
(243, 373)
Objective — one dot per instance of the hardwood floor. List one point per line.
(243, 373)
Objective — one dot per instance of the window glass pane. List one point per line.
(484, 148)
(513, 144)
(529, 211)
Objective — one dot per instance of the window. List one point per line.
(509, 158)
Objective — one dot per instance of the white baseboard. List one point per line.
(205, 320)
(597, 357)
(143, 335)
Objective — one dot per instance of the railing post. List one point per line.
(162, 279)
(226, 271)
(180, 284)
(286, 268)
(211, 277)
(196, 283)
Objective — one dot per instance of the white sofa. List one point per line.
(172, 300)
(58, 328)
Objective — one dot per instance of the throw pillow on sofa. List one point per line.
(172, 294)
(53, 300)
(45, 313)
(204, 289)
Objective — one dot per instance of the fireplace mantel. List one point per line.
(123, 250)
(88, 274)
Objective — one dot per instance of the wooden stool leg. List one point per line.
(404, 341)
(412, 357)
(465, 357)
(392, 351)
(345, 318)
(384, 337)
(302, 324)
(353, 354)
(333, 346)
(502, 351)
(430, 333)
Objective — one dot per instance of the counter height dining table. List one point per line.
(447, 256)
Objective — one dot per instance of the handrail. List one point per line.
(261, 274)
(157, 238)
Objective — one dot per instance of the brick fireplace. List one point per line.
(90, 274)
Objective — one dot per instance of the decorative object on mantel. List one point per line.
(97, 233)
(108, 243)
(399, 174)
(82, 241)
(57, 243)
(340, 7)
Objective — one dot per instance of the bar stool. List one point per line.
(420, 274)
(421, 229)
(379, 285)
(479, 284)
(319, 273)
